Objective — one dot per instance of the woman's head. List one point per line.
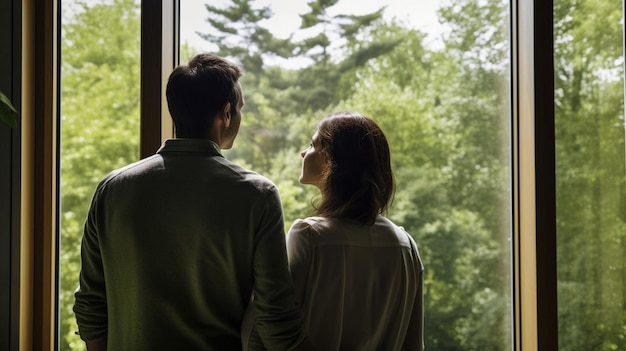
(349, 160)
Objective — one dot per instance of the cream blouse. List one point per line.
(359, 287)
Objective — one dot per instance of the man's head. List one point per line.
(205, 99)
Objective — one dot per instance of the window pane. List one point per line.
(99, 122)
(437, 81)
(591, 192)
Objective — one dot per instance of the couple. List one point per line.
(175, 245)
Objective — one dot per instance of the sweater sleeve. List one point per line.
(278, 318)
(90, 306)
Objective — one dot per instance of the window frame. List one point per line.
(159, 19)
(533, 173)
(532, 134)
(38, 153)
(10, 176)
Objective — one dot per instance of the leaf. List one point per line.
(6, 111)
(7, 102)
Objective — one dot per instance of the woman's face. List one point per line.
(313, 163)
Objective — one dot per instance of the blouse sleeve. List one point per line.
(299, 253)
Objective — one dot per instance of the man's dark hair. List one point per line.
(358, 182)
(197, 91)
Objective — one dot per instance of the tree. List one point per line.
(273, 93)
(445, 112)
(591, 195)
(99, 122)
(451, 163)
(241, 34)
(340, 45)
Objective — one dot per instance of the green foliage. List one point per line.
(99, 122)
(241, 34)
(446, 114)
(444, 198)
(591, 196)
(6, 111)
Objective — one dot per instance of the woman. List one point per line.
(357, 276)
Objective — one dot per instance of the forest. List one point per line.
(446, 112)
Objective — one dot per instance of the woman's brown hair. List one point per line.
(358, 182)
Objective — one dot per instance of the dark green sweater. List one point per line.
(174, 245)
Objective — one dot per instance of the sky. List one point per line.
(419, 14)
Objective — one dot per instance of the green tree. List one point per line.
(240, 33)
(591, 191)
(99, 122)
(445, 112)
(274, 93)
(456, 211)
(466, 235)
(339, 45)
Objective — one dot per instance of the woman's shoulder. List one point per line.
(309, 224)
(317, 226)
(303, 230)
(325, 224)
(400, 233)
(311, 221)
(388, 222)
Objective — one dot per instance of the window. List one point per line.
(534, 149)
(590, 175)
(100, 117)
(438, 85)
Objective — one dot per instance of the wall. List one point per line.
(10, 78)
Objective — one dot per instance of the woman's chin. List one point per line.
(306, 181)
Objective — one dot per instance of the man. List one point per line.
(175, 244)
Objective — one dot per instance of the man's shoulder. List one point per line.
(217, 171)
(135, 168)
(244, 175)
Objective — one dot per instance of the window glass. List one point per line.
(590, 181)
(99, 122)
(437, 81)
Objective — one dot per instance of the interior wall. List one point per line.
(10, 76)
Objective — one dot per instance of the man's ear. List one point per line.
(226, 113)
